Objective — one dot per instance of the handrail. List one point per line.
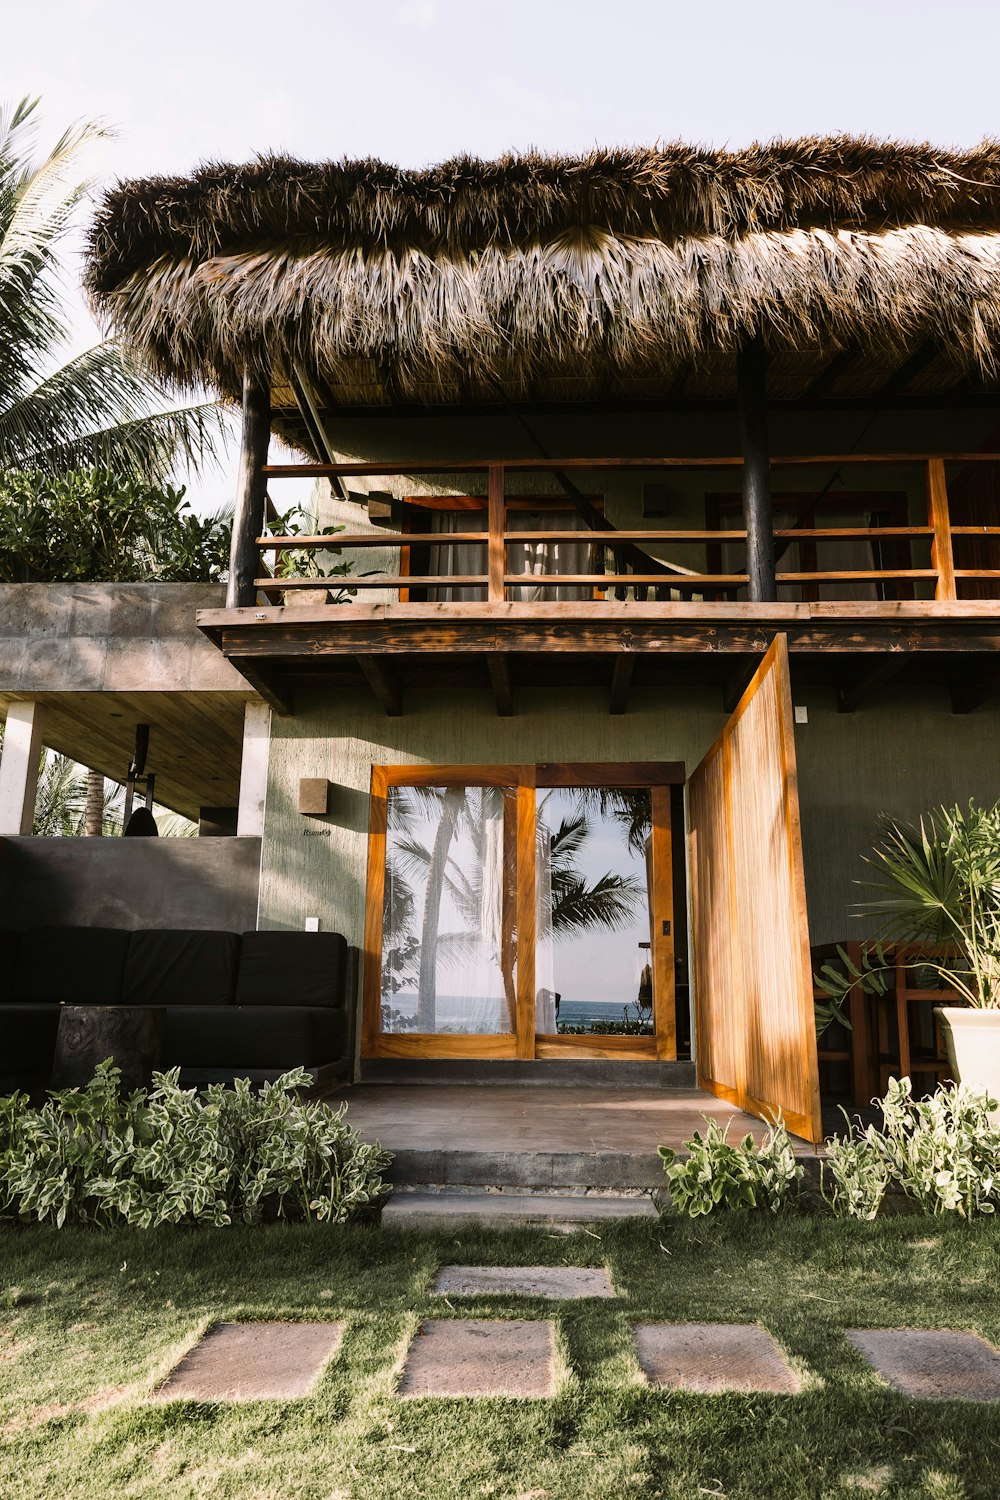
(917, 554)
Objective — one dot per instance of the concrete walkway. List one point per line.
(529, 1118)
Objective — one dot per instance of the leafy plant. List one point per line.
(90, 526)
(718, 1175)
(940, 888)
(309, 562)
(942, 1152)
(171, 1155)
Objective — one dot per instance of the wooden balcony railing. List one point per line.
(937, 560)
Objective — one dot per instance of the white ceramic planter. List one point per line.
(973, 1041)
(305, 598)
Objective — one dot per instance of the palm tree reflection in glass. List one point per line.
(449, 920)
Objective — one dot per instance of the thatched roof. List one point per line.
(620, 274)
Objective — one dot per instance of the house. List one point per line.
(669, 486)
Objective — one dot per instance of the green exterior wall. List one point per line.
(902, 754)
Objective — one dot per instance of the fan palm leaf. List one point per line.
(99, 409)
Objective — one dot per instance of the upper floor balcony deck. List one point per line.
(623, 570)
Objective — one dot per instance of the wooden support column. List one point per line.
(750, 379)
(942, 557)
(22, 751)
(497, 547)
(251, 486)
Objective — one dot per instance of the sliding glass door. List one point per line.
(520, 911)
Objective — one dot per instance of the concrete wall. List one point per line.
(114, 882)
(317, 866)
(110, 637)
(902, 755)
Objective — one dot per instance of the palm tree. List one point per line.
(99, 409)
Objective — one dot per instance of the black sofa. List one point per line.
(250, 1005)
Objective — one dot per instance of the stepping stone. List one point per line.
(713, 1357)
(253, 1361)
(477, 1357)
(934, 1364)
(557, 1283)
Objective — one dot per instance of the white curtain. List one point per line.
(532, 558)
(528, 558)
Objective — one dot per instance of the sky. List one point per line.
(419, 81)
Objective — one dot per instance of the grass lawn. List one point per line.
(92, 1320)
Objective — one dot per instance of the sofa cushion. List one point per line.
(292, 968)
(10, 942)
(175, 967)
(77, 965)
(257, 1036)
(27, 1039)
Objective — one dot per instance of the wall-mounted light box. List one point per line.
(314, 796)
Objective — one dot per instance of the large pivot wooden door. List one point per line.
(756, 1031)
(520, 912)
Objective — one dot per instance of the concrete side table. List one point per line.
(131, 1035)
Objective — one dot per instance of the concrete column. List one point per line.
(253, 770)
(22, 749)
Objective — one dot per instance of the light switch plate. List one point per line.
(801, 714)
(312, 924)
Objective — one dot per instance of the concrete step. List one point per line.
(527, 1170)
(547, 1073)
(563, 1212)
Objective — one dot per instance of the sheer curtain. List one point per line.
(527, 558)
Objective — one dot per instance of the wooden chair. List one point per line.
(861, 1050)
(910, 1052)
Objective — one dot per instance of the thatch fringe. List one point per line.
(613, 264)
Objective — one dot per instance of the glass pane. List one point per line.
(592, 963)
(448, 940)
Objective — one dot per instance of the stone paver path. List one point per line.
(935, 1364)
(712, 1357)
(556, 1283)
(253, 1361)
(476, 1357)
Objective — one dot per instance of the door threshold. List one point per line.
(546, 1072)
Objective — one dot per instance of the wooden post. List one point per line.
(750, 379)
(251, 486)
(942, 557)
(497, 547)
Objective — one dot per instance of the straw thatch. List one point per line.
(556, 278)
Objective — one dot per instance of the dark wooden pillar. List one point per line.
(750, 377)
(251, 485)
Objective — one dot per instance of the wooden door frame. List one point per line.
(658, 777)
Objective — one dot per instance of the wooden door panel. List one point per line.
(756, 1040)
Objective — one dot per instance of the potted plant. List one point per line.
(309, 562)
(939, 885)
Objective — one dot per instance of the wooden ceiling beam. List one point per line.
(972, 693)
(831, 373)
(622, 673)
(384, 683)
(498, 666)
(908, 371)
(264, 679)
(852, 692)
